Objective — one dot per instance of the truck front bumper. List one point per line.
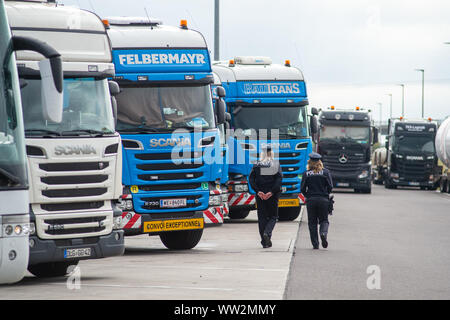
(404, 183)
(53, 250)
(351, 182)
(241, 200)
(133, 223)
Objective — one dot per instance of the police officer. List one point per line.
(316, 187)
(265, 178)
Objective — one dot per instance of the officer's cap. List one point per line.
(314, 156)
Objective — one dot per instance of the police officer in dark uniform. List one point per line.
(316, 187)
(265, 178)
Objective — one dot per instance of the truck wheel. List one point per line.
(443, 185)
(181, 240)
(238, 214)
(366, 190)
(51, 269)
(288, 213)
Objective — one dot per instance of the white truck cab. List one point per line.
(74, 167)
(14, 204)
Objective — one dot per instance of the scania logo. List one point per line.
(69, 150)
(343, 158)
(164, 142)
(276, 145)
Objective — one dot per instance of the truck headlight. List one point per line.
(117, 223)
(125, 205)
(399, 156)
(224, 197)
(363, 174)
(394, 175)
(431, 177)
(14, 226)
(430, 157)
(215, 200)
(240, 188)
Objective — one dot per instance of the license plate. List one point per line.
(288, 203)
(414, 183)
(173, 225)
(342, 184)
(172, 203)
(77, 253)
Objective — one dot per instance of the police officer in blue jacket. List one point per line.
(316, 187)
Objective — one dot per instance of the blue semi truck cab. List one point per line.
(169, 129)
(268, 106)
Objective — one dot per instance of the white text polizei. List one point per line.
(162, 58)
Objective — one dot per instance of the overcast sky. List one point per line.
(352, 52)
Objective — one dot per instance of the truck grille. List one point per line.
(72, 206)
(71, 225)
(413, 170)
(73, 166)
(75, 193)
(353, 164)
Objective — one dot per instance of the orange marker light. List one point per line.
(401, 118)
(357, 108)
(429, 119)
(231, 63)
(287, 63)
(183, 24)
(106, 23)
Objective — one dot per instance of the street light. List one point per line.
(216, 30)
(403, 99)
(390, 106)
(381, 107)
(423, 90)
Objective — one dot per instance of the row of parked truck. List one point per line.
(126, 128)
(123, 126)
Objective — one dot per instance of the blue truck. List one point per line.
(171, 145)
(268, 106)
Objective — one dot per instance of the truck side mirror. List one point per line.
(314, 111)
(375, 135)
(51, 74)
(221, 93)
(114, 109)
(313, 124)
(114, 88)
(220, 111)
(386, 144)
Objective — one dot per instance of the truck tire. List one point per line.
(443, 185)
(181, 240)
(51, 269)
(288, 213)
(366, 190)
(238, 214)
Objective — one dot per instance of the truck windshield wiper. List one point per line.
(52, 132)
(10, 176)
(81, 131)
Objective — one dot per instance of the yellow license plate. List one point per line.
(288, 203)
(173, 225)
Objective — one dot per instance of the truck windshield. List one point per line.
(12, 149)
(86, 108)
(290, 120)
(414, 144)
(156, 108)
(345, 134)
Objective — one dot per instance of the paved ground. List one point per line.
(229, 263)
(406, 233)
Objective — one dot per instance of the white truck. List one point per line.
(74, 167)
(14, 216)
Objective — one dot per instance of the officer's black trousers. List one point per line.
(317, 214)
(267, 214)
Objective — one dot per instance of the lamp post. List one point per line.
(216, 30)
(403, 99)
(390, 105)
(423, 90)
(381, 108)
